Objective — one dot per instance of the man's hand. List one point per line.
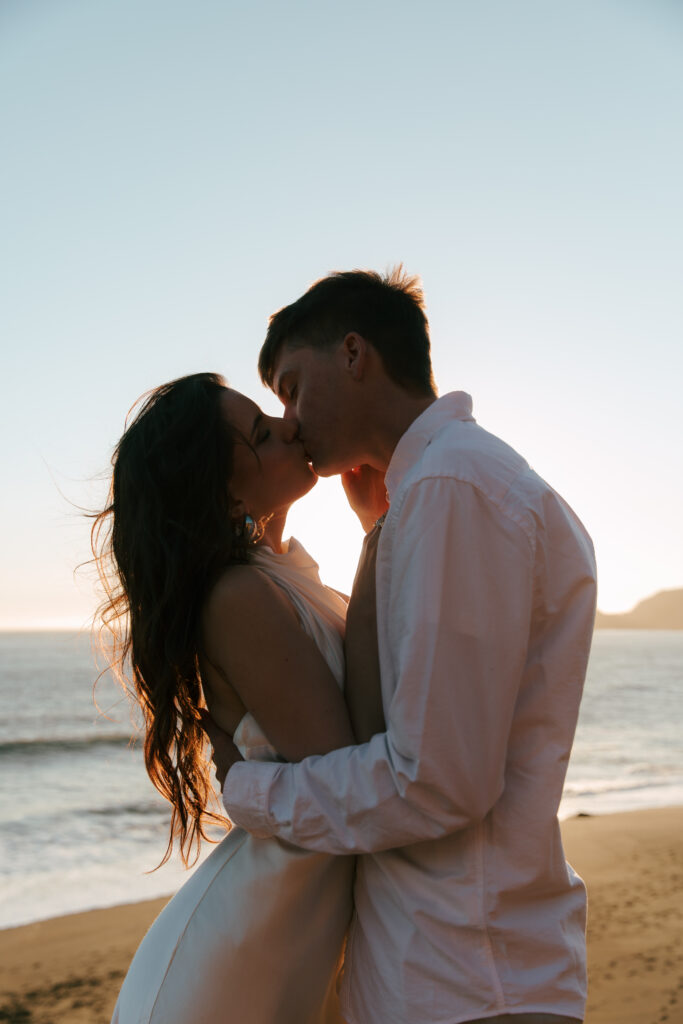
(366, 493)
(224, 753)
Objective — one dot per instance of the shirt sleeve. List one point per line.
(460, 594)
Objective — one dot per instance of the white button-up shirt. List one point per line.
(465, 905)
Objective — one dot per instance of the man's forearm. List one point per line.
(355, 800)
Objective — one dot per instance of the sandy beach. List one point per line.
(68, 970)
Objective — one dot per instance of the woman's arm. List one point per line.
(260, 654)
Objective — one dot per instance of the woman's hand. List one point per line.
(224, 753)
(366, 494)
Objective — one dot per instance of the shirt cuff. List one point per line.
(245, 796)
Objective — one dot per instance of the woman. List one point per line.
(206, 604)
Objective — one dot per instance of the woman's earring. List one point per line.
(250, 529)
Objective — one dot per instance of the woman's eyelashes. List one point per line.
(264, 431)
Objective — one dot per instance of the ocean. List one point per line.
(81, 826)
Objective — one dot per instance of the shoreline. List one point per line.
(68, 969)
(162, 894)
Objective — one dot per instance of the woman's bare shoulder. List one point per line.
(243, 594)
(254, 640)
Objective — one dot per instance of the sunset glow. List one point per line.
(523, 161)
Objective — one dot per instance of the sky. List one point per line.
(171, 173)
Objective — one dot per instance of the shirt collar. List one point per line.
(457, 405)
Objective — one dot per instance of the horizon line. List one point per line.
(73, 625)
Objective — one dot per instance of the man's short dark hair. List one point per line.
(388, 311)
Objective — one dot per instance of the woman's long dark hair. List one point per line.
(159, 545)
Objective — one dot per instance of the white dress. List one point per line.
(255, 935)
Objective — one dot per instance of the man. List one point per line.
(485, 585)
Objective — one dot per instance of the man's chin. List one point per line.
(326, 468)
(319, 471)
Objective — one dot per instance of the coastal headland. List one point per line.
(663, 610)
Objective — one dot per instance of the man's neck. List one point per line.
(393, 416)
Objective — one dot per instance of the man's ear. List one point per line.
(355, 355)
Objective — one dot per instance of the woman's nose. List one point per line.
(290, 428)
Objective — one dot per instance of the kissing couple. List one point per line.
(392, 763)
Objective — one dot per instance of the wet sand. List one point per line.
(68, 970)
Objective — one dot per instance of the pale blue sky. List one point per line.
(173, 172)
